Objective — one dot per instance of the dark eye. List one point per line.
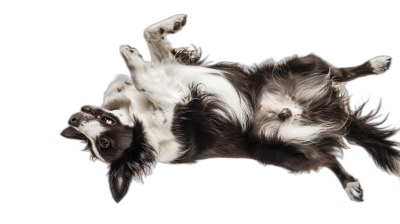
(104, 143)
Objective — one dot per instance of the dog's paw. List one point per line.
(354, 191)
(170, 25)
(131, 56)
(380, 64)
(173, 24)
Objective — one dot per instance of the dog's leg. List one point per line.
(377, 65)
(291, 158)
(155, 34)
(161, 90)
(349, 183)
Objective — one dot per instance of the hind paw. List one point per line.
(170, 25)
(380, 64)
(354, 191)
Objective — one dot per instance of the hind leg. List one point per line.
(377, 65)
(290, 157)
(154, 35)
(349, 183)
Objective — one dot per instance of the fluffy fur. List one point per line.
(176, 109)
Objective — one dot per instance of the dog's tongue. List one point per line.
(109, 121)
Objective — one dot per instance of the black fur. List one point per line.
(135, 162)
(188, 57)
(204, 133)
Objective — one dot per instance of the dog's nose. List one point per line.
(285, 114)
(75, 119)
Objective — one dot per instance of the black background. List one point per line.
(79, 48)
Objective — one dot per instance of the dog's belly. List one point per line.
(278, 118)
(285, 105)
(271, 105)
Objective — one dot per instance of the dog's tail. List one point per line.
(361, 130)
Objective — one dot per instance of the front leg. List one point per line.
(160, 89)
(154, 35)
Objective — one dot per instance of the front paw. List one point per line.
(132, 57)
(380, 64)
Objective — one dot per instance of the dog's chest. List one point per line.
(161, 136)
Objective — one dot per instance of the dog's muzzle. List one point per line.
(76, 119)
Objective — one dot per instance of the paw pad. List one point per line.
(177, 25)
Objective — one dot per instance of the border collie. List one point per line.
(177, 109)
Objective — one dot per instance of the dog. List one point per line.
(179, 109)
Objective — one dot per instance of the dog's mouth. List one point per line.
(99, 115)
(103, 118)
(88, 114)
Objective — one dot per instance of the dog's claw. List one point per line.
(183, 21)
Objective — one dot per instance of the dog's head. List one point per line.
(117, 138)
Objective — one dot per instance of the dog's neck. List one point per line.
(157, 127)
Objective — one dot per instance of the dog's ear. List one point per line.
(72, 133)
(134, 163)
(120, 177)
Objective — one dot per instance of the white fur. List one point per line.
(153, 31)
(159, 50)
(353, 190)
(92, 130)
(123, 116)
(380, 64)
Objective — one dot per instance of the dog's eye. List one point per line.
(104, 143)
